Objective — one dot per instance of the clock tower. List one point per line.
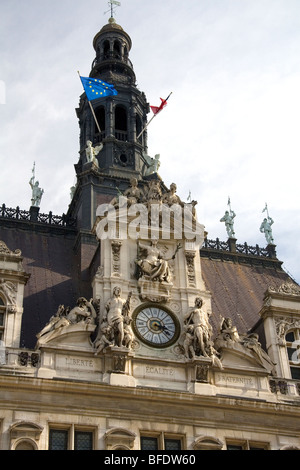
(113, 127)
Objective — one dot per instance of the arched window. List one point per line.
(117, 50)
(106, 49)
(121, 123)
(293, 350)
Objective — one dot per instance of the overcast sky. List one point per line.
(231, 127)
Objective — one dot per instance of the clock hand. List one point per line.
(165, 328)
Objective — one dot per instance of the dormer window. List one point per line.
(293, 350)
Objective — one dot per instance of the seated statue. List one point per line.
(154, 266)
(84, 311)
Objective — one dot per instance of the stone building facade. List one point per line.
(122, 325)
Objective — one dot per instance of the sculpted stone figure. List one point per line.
(91, 152)
(153, 164)
(154, 266)
(251, 342)
(154, 195)
(84, 311)
(228, 330)
(229, 337)
(134, 194)
(9, 290)
(171, 197)
(56, 321)
(198, 331)
(115, 329)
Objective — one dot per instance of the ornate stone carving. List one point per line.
(4, 250)
(288, 288)
(189, 256)
(202, 373)
(116, 249)
(84, 312)
(229, 338)
(9, 291)
(119, 363)
(283, 325)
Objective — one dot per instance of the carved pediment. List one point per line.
(74, 336)
(4, 250)
(238, 357)
(287, 288)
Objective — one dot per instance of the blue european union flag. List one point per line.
(96, 88)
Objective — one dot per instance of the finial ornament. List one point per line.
(266, 226)
(112, 7)
(228, 219)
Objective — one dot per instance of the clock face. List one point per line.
(155, 326)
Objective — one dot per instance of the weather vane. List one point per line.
(113, 4)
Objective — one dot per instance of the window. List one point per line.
(106, 49)
(161, 442)
(149, 443)
(246, 445)
(293, 350)
(83, 440)
(117, 50)
(100, 116)
(58, 439)
(120, 123)
(69, 439)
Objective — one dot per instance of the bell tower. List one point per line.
(114, 130)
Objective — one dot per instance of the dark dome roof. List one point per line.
(112, 26)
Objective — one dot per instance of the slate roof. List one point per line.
(49, 259)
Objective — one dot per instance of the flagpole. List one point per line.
(151, 119)
(93, 112)
(146, 127)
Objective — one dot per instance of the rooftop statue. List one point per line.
(171, 197)
(229, 222)
(134, 194)
(266, 227)
(37, 192)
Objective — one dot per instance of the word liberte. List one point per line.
(147, 221)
